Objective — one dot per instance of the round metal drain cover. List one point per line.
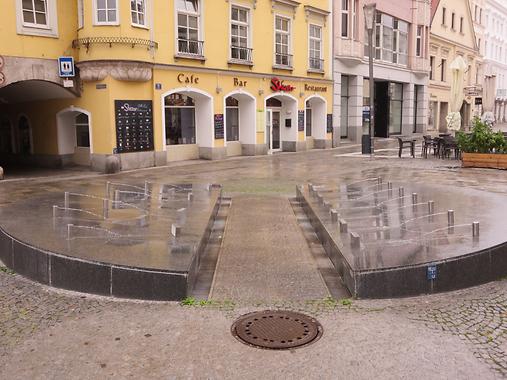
(276, 329)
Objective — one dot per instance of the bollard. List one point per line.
(475, 229)
(389, 186)
(146, 187)
(108, 185)
(327, 205)
(66, 199)
(343, 226)
(181, 216)
(117, 195)
(414, 198)
(431, 207)
(175, 230)
(379, 181)
(190, 197)
(450, 217)
(105, 208)
(401, 192)
(355, 240)
(320, 198)
(334, 215)
(55, 211)
(69, 226)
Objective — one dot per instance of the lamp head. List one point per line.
(369, 15)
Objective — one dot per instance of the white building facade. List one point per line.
(401, 69)
(495, 52)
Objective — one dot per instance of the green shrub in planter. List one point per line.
(481, 140)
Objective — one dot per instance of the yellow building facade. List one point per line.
(165, 80)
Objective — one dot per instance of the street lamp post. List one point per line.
(369, 19)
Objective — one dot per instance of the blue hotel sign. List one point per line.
(431, 273)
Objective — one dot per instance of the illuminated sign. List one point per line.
(277, 85)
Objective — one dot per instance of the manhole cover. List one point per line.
(276, 329)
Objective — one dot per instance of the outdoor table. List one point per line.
(406, 141)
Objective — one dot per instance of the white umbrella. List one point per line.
(458, 67)
(488, 103)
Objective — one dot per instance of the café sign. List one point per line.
(278, 85)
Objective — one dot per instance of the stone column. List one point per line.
(355, 118)
(407, 109)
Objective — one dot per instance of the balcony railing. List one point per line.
(282, 59)
(190, 47)
(239, 53)
(316, 64)
(420, 64)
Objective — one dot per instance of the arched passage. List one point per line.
(315, 121)
(239, 120)
(187, 118)
(281, 122)
(75, 135)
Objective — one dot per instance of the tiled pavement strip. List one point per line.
(46, 333)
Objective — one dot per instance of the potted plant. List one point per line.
(482, 148)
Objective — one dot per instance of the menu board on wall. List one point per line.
(301, 120)
(329, 123)
(134, 125)
(219, 126)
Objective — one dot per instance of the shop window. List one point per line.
(106, 12)
(273, 102)
(308, 113)
(344, 107)
(395, 107)
(138, 12)
(315, 53)
(240, 34)
(188, 14)
(232, 118)
(179, 119)
(282, 41)
(82, 131)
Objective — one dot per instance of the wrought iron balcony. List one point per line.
(316, 64)
(283, 60)
(191, 48)
(239, 53)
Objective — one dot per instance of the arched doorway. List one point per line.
(315, 122)
(188, 124)
(240, 124)
(74, 136)
(281, 132)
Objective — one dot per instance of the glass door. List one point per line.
(275, 130)
(269, 115)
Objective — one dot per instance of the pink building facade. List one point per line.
(401, 68)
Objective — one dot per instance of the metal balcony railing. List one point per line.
(190, 47)
(282, 59)
(316, 64)
(240, 53)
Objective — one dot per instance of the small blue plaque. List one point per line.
(431, 273)
(66, 67)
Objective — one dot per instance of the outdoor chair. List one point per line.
(428, 144)
(448, 145)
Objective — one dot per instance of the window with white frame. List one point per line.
(345, 18)
(282, 41)
(188, 13)
(315, 45)
(35, 13)
(80, 14)
(240, 32)
(106, 11)
(138, 12)
(391, 39)
(36, 17)
(419, 41)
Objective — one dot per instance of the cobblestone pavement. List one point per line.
(47, 333)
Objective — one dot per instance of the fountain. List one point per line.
(383, 244)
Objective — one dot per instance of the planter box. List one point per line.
(484, 160)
